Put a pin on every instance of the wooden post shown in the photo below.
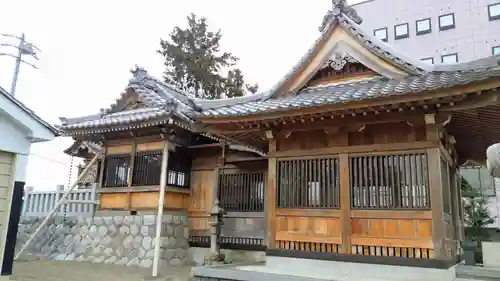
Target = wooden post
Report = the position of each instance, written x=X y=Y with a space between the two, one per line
x=161 y=201
x=345 y=204
x=59 y=203
x=103 y=166
x=435 y=188
x=130 y=175
x=271 y=196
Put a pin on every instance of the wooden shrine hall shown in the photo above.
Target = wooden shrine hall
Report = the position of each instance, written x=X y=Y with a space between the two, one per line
x=352 y=157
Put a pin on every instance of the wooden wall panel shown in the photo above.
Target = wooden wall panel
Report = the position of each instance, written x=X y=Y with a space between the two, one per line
x=202 y=183
x=302 y=226
x=371 y=134
x=150 y=146
x=119 y=149
x=392 y=232
x=113 y=201
x=141 y=200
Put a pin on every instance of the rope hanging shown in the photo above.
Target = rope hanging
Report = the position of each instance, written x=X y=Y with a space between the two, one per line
x=69 y=185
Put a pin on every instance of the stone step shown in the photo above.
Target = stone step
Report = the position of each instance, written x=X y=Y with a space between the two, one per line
x=478 y=272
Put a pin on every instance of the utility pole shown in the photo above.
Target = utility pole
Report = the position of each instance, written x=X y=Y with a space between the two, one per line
x=23 y=48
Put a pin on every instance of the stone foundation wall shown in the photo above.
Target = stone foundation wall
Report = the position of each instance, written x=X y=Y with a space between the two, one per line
x=125 y=240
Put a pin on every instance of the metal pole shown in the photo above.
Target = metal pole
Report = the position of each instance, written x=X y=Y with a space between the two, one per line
x=161 y=199
x=18 y=64
x=59 y=203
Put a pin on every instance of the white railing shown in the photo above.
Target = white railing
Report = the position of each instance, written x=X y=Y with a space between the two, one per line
x=80 y=202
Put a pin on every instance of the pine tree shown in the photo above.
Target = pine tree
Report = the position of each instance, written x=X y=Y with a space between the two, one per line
x=194 y=63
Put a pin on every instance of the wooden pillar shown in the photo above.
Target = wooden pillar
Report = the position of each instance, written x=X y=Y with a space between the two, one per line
x=345 y=204
x=161 y=201
x=103 y=164
x=455 y=208
x=130 y=175
x=435 y=188
x=270 y=198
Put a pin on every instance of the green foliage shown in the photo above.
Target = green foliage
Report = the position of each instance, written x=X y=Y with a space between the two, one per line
x=194 y=63
x=476 y=214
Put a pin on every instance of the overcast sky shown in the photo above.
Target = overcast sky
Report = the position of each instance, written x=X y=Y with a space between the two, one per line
x=88 y=48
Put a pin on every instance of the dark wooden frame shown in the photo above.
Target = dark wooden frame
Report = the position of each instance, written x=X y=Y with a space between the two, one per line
x=230 y=243
x=109 y=160
x=383 y=260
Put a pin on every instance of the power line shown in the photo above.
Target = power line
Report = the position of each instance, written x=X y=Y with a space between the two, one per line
x=48 y=159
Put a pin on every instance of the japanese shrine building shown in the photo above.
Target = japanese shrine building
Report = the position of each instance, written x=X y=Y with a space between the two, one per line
x=351 y=158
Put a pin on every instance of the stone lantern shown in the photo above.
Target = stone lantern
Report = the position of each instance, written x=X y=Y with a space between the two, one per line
x=216 y=215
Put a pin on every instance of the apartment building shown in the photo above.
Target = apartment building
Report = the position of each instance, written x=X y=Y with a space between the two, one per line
x=436 y=31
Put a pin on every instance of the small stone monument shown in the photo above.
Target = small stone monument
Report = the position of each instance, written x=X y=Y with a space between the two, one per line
x=215 y=223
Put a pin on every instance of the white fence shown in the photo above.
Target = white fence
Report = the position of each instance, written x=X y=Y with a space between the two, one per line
x=40 y=203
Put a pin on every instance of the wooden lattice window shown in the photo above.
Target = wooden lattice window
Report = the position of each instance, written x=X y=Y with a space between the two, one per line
x=147 y=168
x=389 y=182
x=117 y=170
x=445 y=186
x=179 y=169
x=242 y=192
x=308 y=183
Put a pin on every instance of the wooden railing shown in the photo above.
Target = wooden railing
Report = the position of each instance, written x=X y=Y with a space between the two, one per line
x=40 y=203
x=389 y=182
x=387 y=212
x=308 y=183
x=242 y=192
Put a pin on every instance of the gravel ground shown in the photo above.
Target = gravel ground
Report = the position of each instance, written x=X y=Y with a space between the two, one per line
x=50 y=270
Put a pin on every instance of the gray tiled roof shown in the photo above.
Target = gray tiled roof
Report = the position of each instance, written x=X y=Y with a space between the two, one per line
x=29 y=111
x=363 y=89
x=163 y=100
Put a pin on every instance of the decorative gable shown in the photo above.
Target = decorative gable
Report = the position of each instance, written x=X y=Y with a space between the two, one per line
x=135 y=104
x=340 y=67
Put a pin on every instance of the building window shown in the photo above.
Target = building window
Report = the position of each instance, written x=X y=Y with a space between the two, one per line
x=495 y=50
x=147 y=168
x=480 y=180
x=450 y=58
x=117 y=170
x=423 y=26
x=401 y=31
x=381 y=34
x=447 y=21
x=179 y=169
x=494 y=11
x=428 y=60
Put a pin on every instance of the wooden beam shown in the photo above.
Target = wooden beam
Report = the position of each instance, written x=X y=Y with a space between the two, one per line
x=360 y=149
x=131 y=173
x=270 y=205
x=472 y=102
x=103 y=164
x=345 y=206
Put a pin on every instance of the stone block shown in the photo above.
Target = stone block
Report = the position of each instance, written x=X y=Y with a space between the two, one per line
x=149 y=220
x=146 y=263
x=134 y=229
x=491 y=254
x=118 y=220
x=132 y=262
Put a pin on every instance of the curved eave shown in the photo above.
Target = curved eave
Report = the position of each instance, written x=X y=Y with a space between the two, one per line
x=315 y=108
